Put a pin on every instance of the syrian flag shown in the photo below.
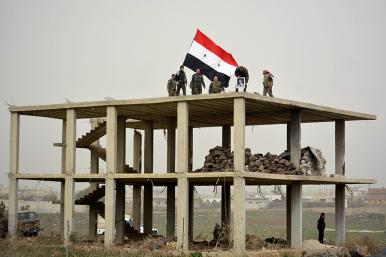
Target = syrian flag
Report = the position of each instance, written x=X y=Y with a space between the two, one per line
x=211 y=59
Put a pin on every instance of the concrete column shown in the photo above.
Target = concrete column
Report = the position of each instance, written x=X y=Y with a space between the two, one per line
x=63 y=169
x=120 y=186
x=340 y=197
x=171 y=195
x=182 y=168
x=239 y=215
x=191 y=212
x=94 y=169
x=340 y=218
x=295 y=137
x=112 y=167
x=226 y=189
x=191 y=188
x=148 y=188
x=69 y=186
x=296 y=215
x=295 y=201
x=239 y=134
x=13 y=170
x=288 y=189
x=288 y=212
x=238 y=180
x=137 y=190
x=340 y=147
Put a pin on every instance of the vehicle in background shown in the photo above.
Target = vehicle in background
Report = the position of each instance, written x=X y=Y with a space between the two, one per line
x=28 y=223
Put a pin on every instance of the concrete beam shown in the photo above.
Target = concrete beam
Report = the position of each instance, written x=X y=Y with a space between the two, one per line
x=340 y=147
x=296 y=215
x=171 y=195
x=148 y=189
x=295 y=138
x=340 y=218
x=239 y=134
x=226 y=189
x=239 y=215
x=137 y=190
x=13 y=170
x=182 y=182
x=120 y=187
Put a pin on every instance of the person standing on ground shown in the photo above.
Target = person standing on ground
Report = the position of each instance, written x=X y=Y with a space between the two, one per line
x=197 y=83
x=215 y=86
x=321 y=227
x=172 y=85
x=181 y=80
x=267 y=83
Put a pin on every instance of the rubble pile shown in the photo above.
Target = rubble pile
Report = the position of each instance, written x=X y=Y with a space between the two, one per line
x=220 y=159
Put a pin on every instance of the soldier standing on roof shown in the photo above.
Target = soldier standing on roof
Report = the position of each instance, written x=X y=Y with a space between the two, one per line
x=181 y=80
x=267 y=83
x=215 y=86
x=241 y=71
x=197 y=83
x=172 y=86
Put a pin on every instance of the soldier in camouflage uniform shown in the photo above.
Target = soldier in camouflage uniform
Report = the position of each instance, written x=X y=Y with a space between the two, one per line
x=215 y=86
x=181 y=80
x=197 y=83
x=172 y=86
x=267 y=83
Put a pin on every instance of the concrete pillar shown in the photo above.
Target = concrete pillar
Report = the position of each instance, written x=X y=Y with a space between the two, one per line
x=288 y=189
x=340 y=222
x=191 y=212
x=295 y=137
x=295 y=201
x=226 y=189
x=13 y=170
x=296 y=216
x=340 y=147
x=191 y=188
x=239 y=134
x=63 y=169
x=148 y=188
x=182 y=168
x=340 y=218
x=69 y=186
x=120 y=186
x=112 y=167
x=288 y=212
x=137 y=190
x=94 y=169
x=238 y=180
x=171 y=195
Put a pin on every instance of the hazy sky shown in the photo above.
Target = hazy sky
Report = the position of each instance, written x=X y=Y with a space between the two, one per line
x=325 y=52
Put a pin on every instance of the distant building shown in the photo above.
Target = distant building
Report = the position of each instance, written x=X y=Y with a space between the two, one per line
x=377 y=197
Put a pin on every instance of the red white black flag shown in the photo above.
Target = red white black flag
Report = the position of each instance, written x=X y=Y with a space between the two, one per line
x=211 y=59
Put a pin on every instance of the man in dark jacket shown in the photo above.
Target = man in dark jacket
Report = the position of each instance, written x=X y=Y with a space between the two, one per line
x=321 y=227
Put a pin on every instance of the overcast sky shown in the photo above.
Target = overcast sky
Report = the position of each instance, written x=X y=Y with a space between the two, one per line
x=325 y=52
